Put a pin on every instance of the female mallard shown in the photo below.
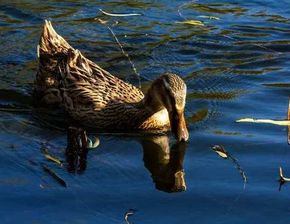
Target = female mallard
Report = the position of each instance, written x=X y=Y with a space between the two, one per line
x=94 y=98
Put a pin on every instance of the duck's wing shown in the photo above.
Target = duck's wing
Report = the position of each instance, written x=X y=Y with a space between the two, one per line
x=89 y=87
x=63 y=70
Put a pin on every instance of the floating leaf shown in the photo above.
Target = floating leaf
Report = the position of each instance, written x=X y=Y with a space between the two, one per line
x=265 y=121
x=192 y=22
x=220 y=151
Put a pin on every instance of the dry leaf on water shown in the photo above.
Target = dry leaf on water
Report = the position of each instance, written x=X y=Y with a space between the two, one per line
x=192 y=22
x=220 y=151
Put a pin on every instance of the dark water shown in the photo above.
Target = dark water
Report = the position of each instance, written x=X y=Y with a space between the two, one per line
x=235 y=66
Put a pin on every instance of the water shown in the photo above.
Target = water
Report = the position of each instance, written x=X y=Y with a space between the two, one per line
x=235 y=66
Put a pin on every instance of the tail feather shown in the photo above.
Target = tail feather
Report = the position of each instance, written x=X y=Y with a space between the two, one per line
x=50 y=42
x=52 y=50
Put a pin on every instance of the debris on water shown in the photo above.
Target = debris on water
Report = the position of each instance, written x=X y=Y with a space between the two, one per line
x=209 y=17
x=220 y=150
x=101 y=21
x=48 y=156
x=130 y=212
x=265 y=121
x=282 y=178
x=54 y=175
x=93 y=144
x=192 y=22
x=53 y=159
x=120 y=14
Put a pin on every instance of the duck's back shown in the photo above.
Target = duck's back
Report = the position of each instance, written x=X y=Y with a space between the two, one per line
x=86 y=91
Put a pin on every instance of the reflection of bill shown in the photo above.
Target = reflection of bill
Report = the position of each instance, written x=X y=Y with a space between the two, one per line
x=165 y=164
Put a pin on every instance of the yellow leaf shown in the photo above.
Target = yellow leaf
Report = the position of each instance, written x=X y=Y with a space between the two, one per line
x=192 y=22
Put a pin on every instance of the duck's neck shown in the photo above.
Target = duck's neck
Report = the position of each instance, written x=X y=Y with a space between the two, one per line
x=155 y=115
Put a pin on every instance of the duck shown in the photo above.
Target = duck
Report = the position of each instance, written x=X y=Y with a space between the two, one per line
x=94 y=98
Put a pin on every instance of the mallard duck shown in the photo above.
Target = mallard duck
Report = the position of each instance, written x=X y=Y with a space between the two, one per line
x=96 y=99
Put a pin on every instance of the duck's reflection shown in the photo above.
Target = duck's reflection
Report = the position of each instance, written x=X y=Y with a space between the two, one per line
x=165 y=163
x=76 y=150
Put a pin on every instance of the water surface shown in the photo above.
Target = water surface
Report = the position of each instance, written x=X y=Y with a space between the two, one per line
x=236 y=65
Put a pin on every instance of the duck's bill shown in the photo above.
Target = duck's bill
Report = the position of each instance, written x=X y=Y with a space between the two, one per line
x=178 y=125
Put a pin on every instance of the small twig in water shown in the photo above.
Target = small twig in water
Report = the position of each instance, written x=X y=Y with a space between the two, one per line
x=54 y=175
x=53 y=159
x=120 y=14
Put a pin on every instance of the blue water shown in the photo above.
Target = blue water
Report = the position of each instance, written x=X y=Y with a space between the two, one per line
x=235 y=66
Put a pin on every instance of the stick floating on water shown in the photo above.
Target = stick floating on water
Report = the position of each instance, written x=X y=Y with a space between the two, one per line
x=282 y=178
x=120 y=14
x=265 y=121
x=54 y=175
x=53 y=159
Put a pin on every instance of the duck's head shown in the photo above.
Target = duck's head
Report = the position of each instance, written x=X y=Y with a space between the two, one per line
x=169 y=91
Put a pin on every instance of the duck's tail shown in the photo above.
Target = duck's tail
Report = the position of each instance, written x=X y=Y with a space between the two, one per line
x=52 y=52
x=50 y=43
